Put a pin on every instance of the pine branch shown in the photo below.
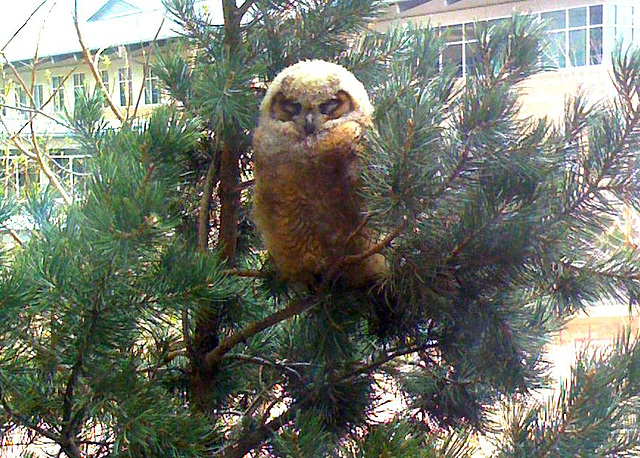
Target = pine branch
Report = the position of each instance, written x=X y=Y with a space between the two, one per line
x=246 y=273
x=68 y=426
x=371 y=367
x=265 y=362
x=377 y=248
x=214 y=357
x=20 y=420
x=251 y=439
x=594 y=183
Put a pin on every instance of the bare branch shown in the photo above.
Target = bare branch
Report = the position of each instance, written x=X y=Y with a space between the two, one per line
x=251 y=439
x=34 y=112
x=47 y=170
x=23 y=25
x=37 y=154
x=145 y=68
x=242 y=9
x=368 y=368
x=92 y=66
x=14 y=235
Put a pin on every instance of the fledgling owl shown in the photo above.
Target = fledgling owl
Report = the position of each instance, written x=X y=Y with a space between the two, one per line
x=305 y=158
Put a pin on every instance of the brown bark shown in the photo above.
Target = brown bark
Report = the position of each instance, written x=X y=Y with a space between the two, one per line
x=208 y=321
x=229 y=198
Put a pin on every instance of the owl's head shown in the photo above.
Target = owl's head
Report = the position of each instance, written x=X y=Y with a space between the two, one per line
x=314 y=96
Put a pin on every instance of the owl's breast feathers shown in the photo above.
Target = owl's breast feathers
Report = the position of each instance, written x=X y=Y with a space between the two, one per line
x=306 y=204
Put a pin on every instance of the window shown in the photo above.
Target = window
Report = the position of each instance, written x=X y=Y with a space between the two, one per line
x=575 y=36
x=454 y=52
x=78 y=84
x=151 y=89
x=57 y=88
x=104 y=77
x=38 y=97
x=126 y=89
x=461 y=45
x=21 y=102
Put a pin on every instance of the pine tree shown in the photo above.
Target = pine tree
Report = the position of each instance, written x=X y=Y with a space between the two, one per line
x=146 y=319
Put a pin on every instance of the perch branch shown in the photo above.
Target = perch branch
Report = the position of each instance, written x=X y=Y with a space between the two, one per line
x=214 y=357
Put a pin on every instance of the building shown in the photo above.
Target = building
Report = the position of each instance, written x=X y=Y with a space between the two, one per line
x=581 y=39
x=44 y=70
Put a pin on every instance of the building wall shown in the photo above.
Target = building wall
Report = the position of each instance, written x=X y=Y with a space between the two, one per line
x=545 y=95
x=54 y=83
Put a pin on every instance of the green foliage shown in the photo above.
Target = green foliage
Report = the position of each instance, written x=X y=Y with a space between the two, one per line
x=401 y=439
x=124 y=335
x=40 y=206
x=87 y=119
x=594 y=413
x=89 y=298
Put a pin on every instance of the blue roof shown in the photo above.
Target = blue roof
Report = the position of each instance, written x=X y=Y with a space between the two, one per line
x=113 y=9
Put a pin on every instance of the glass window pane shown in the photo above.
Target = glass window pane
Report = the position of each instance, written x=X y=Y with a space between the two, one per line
x=472 y=58
x=57 y=88
x=452 y=57
x=609 y=14
x=595 y=46
x=595 y=15
x=578 y=17
x=555 y=19
x=578 y=47
x=624 y=16
x=495 y=22
x=624 y=35
x=38 y=95
x=608 y=42
x=555 y=53
x=470 y=31
x=453 y=33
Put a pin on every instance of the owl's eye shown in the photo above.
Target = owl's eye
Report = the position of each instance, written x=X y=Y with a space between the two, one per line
x=291 y=108
x=284 y=109
x=337 y=107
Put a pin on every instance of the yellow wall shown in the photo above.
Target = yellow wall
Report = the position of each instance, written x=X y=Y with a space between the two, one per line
x=47 y=68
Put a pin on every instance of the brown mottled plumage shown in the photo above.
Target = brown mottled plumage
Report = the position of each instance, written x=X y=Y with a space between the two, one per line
x=305 y=152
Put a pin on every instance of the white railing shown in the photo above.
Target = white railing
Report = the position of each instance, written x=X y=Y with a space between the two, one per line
x=18 y=172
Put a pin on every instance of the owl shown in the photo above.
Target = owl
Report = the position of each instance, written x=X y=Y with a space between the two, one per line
x=306 y=150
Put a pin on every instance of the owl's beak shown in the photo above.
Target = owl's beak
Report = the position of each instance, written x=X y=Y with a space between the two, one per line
x=309 y=125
